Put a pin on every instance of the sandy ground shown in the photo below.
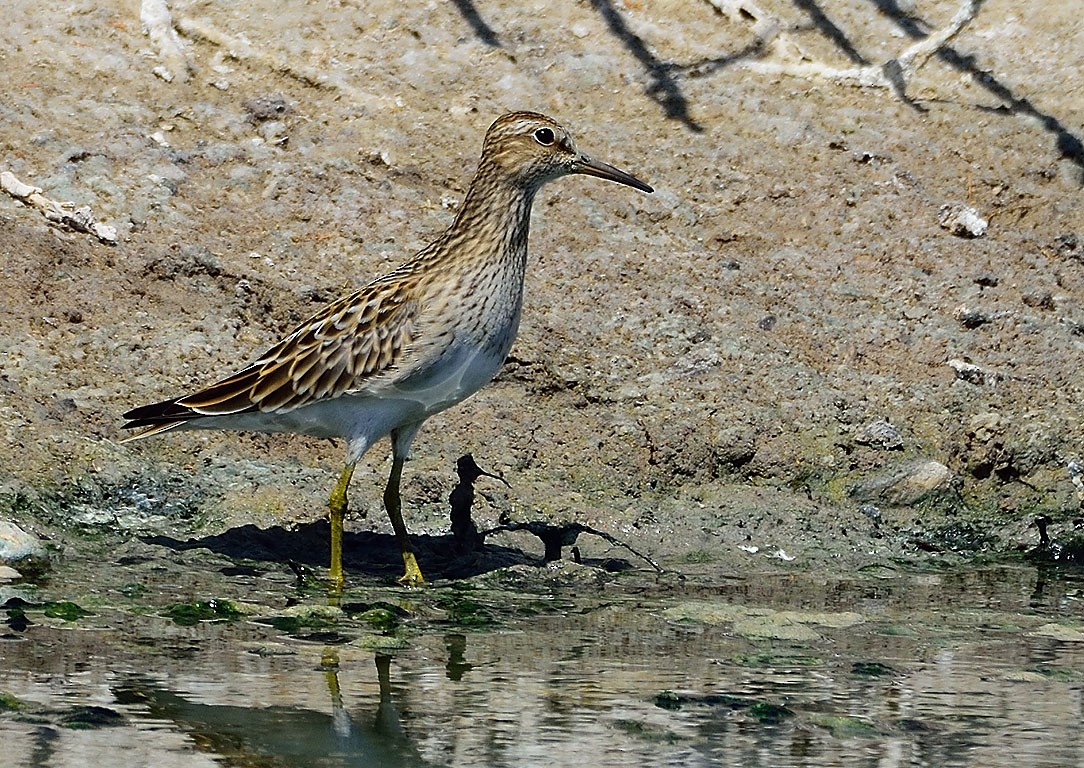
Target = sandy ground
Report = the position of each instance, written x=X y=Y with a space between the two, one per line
x=785 y=352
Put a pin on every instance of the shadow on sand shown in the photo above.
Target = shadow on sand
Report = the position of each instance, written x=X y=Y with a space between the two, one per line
x=365 y=552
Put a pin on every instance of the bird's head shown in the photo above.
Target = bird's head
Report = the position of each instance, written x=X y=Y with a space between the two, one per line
x=533 y=149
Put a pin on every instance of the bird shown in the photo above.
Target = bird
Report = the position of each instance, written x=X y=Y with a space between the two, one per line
x=381 y=360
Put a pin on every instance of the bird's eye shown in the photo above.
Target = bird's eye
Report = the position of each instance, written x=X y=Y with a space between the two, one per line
x=544 y=136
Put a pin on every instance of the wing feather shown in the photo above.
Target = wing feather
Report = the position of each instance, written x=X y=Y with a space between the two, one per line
x=332 y=353
x=342 y=348
x=221 y=396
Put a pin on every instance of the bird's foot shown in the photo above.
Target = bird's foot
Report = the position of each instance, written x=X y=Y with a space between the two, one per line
x=412 y=577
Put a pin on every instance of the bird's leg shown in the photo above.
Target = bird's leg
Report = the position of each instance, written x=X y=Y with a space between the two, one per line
x=336 y=513
x=412 y=577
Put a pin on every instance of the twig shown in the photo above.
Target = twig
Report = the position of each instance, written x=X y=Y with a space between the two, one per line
x=789 y=59
x=80 y=219
x=555 y=536
x=918 y=54
x=157 y=23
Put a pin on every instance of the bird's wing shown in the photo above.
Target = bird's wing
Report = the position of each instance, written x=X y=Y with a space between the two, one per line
x=342 y=348
x=348 y=343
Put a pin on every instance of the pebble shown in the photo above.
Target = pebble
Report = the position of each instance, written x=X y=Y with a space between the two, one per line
x=970 y=317
x=973 y=374
x=962 y=220
x=880 y=434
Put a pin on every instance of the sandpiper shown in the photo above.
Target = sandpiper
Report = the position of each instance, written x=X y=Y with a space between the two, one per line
x=420 y=339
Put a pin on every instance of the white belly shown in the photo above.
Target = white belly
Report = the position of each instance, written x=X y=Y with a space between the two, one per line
x=454 y=376
x=365 y=416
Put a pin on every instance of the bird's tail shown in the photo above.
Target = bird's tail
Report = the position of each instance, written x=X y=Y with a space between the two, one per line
x=156 y=418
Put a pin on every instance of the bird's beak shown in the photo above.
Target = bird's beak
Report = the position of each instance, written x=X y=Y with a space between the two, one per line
x=602 y=170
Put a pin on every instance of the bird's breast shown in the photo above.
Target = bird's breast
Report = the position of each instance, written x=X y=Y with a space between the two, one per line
x=455 y=374
x=469 y=320
x=481 y=307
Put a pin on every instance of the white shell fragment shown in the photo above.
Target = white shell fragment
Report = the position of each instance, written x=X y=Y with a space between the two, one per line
x=962 y=220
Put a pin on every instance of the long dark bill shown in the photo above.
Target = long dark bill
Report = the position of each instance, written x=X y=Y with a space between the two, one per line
x=590 y=167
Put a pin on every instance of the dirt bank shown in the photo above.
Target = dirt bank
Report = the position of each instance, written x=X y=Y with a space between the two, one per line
x=788 y=351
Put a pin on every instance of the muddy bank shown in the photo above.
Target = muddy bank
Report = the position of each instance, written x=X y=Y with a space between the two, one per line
x=789 y=351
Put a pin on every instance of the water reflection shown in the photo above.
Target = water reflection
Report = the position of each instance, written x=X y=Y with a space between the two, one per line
x=953 y=670
x=282 y=735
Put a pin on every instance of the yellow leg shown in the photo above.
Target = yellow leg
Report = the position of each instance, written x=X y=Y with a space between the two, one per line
x=329 y=662
x=336 y=513
x=412 y=576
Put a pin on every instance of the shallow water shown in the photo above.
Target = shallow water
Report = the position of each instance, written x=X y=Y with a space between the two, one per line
x=967 y=668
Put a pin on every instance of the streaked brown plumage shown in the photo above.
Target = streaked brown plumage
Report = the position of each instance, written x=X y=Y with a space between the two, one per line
x=414 y=342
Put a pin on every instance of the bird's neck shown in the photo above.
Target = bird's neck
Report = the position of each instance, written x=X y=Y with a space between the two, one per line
x=494 y=221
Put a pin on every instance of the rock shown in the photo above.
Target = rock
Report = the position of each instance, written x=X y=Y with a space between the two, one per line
x=21 y=550
x=1040 y=300
x=974 y=374
x=985 y=426
x=268 y=106
x=1069 y=245
x=970 y=317
x=962 y=220
x=796 y=626
x=563 y=574
x=1076 y=475
x=880 y=434
x=907 y=484
x=871 y=511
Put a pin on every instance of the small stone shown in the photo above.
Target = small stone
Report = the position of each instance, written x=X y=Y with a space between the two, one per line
x=880 y=434
x=962 y=220
x=1069 y=245
x=266 y=107
x=581 y=29
x=985 y=426
x=970 y=317
x=973 y=374
x=273 y=132
x=734 y=446
x=871 y=157
x=1039 y=300
x=378 y=157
